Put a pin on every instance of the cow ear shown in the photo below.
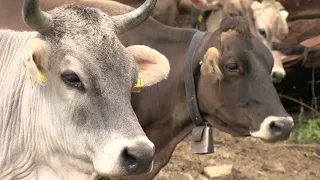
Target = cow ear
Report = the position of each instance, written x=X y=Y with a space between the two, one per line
x=210 y=64
x=153 y=66
x=284 y=14
x=36 y=61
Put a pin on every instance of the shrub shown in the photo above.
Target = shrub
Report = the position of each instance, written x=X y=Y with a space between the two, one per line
x=306 y=131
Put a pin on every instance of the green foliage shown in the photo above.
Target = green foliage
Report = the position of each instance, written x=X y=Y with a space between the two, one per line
x=306 y=131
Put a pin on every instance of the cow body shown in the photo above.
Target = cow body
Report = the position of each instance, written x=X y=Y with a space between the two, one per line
x=62 y=116
x=12 y=82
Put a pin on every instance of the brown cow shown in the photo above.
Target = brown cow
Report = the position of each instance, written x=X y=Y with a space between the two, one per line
x=272 y=27
x=267 y=21
x=235 y=93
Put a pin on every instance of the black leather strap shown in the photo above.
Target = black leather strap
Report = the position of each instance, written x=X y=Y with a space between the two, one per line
x=189 y=81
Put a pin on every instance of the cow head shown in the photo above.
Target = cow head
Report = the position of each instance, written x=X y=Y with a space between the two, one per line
x=235 y=92
x=80 y=103
x=270 y=21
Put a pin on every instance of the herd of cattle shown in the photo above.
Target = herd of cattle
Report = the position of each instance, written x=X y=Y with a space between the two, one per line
x=67 y=110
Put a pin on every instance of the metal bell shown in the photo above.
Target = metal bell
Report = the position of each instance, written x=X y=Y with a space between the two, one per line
x=202 y=140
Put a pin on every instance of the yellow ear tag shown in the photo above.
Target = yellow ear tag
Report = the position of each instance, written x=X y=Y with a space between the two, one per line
x=137 y=88
x=43 y=77
x=200 y=18
x=41 y=74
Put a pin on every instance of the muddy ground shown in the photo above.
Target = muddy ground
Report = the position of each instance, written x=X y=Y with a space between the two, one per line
x=251 y=159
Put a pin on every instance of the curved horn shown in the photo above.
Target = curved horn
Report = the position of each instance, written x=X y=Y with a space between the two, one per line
x=134 y=18
x=34 y=17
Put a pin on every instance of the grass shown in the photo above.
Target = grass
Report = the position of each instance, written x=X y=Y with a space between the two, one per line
x=306 y=131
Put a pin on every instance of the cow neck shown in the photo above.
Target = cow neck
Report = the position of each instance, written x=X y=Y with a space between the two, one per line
x=202 y=133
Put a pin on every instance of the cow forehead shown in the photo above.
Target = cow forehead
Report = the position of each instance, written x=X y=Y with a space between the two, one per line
x=270 y=15
x=101 y=65
x=80 y=21
x=231 y=36
x=270 y=11
x=247 y=50
x=87 y=33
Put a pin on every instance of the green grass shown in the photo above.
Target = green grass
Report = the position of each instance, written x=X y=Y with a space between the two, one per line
x=306 y=131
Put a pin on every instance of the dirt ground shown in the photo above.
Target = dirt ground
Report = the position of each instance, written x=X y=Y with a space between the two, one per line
x=252 y=160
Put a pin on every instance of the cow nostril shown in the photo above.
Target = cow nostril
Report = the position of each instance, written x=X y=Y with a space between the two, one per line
x=274 y=75
x=277 y=77
x=130 y=161
x=138 y=156
x=278 y=74
x=276 y=128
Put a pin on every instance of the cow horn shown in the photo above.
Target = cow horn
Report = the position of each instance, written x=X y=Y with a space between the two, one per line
x=134 y=18
x=34 y=17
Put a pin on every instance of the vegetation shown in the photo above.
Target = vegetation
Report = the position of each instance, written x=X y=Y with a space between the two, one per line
x=306 y=131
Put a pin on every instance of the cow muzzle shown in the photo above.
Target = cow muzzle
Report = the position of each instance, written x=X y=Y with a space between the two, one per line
x=138 y=157
x=277 y=75
x=125 y=157
x=274 y=129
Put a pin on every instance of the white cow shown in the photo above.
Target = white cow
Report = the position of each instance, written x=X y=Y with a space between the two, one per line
x=65 y=109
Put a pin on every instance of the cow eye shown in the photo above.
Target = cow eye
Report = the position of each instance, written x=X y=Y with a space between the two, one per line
x=263 y=33
x=71 y=78
x=233 y=67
